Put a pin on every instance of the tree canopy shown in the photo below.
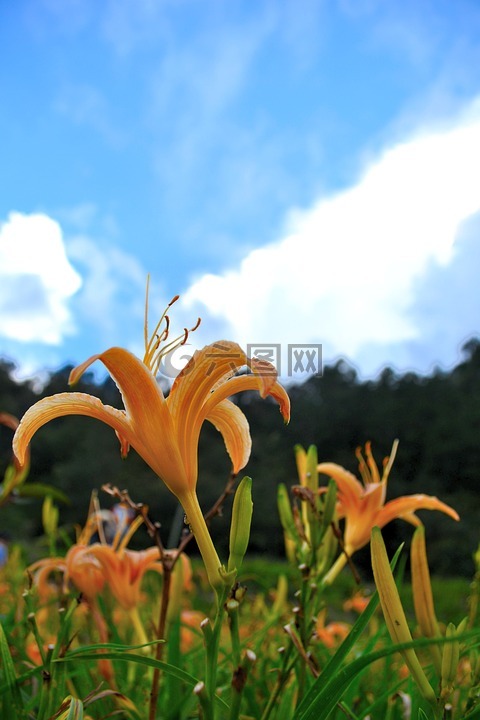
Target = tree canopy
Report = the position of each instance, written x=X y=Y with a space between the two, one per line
x=435 y=417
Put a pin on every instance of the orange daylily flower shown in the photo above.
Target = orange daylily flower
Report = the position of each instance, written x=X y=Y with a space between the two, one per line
x=90 y=566
x=331 y=634
x=358 y=602
x=124 y=569
x=165 y=431
x=363 y=504
x=80 y=566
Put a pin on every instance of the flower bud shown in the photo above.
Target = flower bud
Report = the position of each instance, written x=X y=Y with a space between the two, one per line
x=450 y=659
x=241 y=520
x=422 y=593
x=49 y=516
x=286 y=515
x=394 y=614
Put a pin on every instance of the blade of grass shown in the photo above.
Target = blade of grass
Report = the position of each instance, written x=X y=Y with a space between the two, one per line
x=361 y=623
x=12 y=694
x=142 y=660
x=323 y=697
x=76 y=710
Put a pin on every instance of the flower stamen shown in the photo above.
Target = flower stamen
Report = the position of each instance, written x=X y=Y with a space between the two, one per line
x=155 y=349
x=120 y=542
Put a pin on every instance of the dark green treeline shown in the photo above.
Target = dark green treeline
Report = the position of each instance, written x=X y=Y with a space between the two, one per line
x=436 y=419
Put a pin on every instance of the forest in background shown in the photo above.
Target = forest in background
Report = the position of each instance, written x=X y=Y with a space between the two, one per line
x=436 y=419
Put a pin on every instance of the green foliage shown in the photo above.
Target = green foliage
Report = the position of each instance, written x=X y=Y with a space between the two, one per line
x=436 y=418
x=277 y=644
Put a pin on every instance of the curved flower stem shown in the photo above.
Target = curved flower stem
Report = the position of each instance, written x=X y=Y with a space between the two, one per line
x=199 y=528
x=335 y=570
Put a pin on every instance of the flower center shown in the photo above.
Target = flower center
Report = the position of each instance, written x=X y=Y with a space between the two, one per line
x=368 y=467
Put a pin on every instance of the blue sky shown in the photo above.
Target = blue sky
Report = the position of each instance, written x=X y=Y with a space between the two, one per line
x=299 y=171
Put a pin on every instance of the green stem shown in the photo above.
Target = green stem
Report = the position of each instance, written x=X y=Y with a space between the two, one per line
x=199 y=528
x=212 y=644
x=138 y=627
x=283 y=676
x=335 y=570
x=160 y=633
x=46 y=688
x=232 y=610
x=237 y=687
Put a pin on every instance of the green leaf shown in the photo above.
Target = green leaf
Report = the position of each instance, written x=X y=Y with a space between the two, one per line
x=142 y=660
x=358 y=628
x=474 y=714
x=76 y=710
x=113 y=647
x=333 y=666
x=322 y=698
x=13 y=697
x=40 y=490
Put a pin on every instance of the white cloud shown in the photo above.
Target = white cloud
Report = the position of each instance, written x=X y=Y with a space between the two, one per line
x=111 y=303
x=36 y=280
x=347 y=270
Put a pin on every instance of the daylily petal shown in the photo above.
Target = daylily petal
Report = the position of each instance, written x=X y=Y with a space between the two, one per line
x=205 y=369
x=360 y=523
x=233 y=426
x=405 y=507
x=149 y=418
x=189 y=392
x=62 y=404
x=350 y=488
x=124 y=570
x=242 y=383
x=84 y=571
x=41 y=571
x=141 y=394
x=190 y=408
